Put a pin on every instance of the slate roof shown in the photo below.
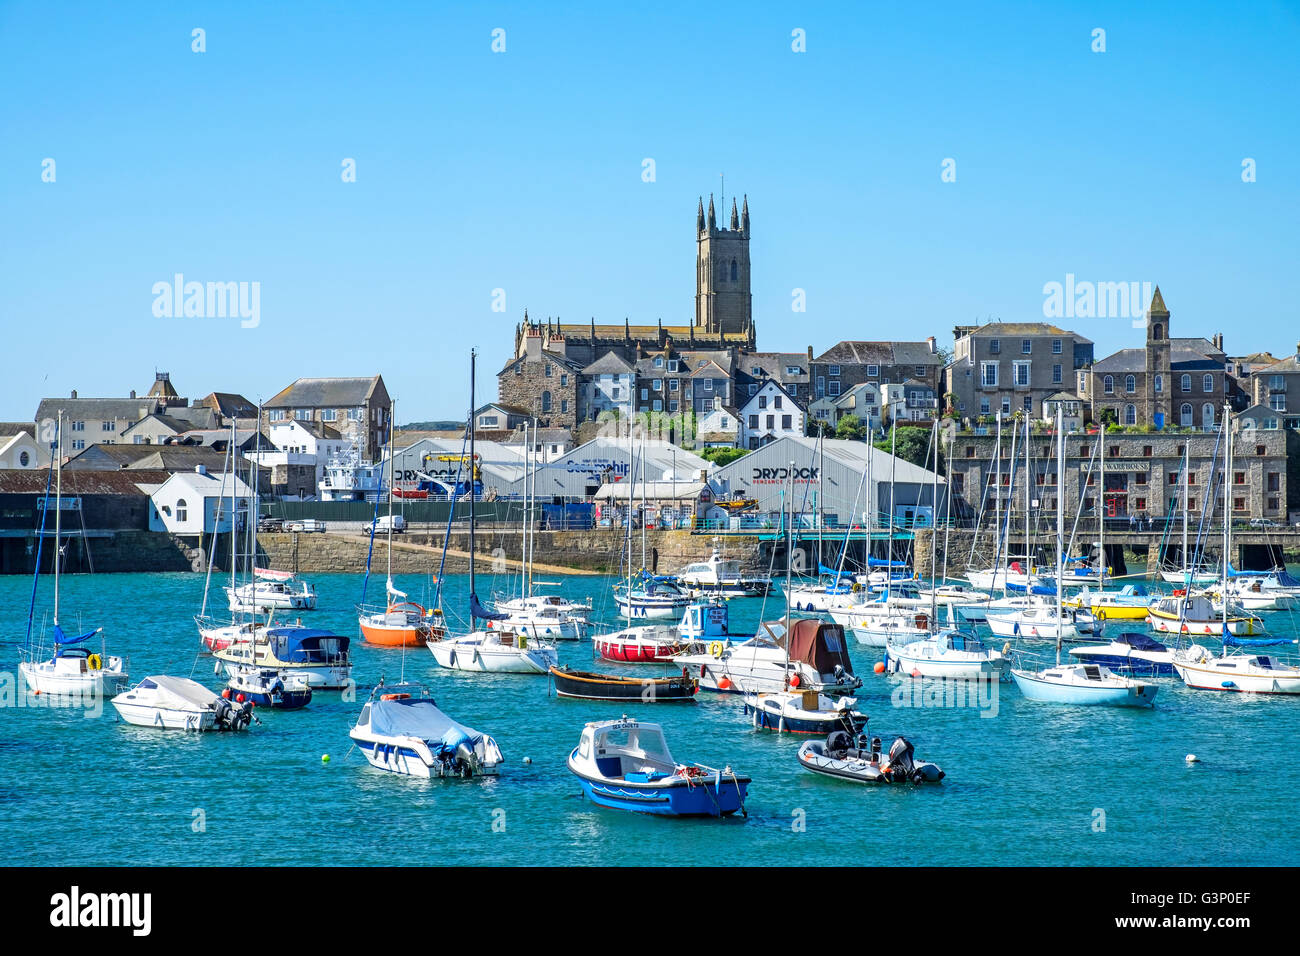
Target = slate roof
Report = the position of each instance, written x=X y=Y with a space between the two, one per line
x=32 y=481
x=326 y=393
x=608 y=364
x=168 y=458
x=91 y=409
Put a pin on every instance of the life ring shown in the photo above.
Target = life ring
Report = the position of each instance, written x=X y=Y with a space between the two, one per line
x=1101 y=614
x=94 y=662
x=715 y=649
x=394 y=696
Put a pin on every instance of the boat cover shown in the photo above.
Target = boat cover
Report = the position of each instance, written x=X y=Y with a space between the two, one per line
x=1140 y=642
x=482 y=613
x=306 y=645
x=61 y=639
x=420 y=719
x=178 y=691
x=1231 y=640
x=874 y=562
x=819 y=644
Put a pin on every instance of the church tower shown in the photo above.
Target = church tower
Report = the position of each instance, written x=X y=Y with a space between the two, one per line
x=1159 y=376
x=722 y=300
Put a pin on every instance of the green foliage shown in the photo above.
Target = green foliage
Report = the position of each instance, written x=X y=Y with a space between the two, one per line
x=910 y=443
x=850 y=428
x=722 y=456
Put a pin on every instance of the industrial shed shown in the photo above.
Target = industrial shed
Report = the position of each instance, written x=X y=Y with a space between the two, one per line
x=827 y=475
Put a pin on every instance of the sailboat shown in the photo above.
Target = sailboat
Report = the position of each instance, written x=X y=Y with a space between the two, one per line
x=74 y=669
x=400 y=622
x=215 y=635
x=1251 y=673
x=1076 y=683
x=493 y=648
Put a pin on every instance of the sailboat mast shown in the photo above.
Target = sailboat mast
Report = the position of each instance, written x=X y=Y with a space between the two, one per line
x=789 y=565
x=1029 y=557
x=934 y=528
x=392 y=481
x=889 y=553
x=1187 y=569
x=58 y=515
x=473 y=485
x=1227 y=518
x=234 y=533
x=997 y=499
x=528 y=450
x=1101 y=512
x=1060 y=525
x=631 y=479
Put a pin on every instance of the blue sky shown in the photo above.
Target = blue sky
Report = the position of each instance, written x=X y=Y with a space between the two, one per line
x=522 y=171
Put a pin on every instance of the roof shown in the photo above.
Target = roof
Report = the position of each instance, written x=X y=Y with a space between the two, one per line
x=328 y=393
x=177 y=425
x=651 y=490
x=608 y=364
x=228 y=405
x=1063 y=397
x=166 y=458
x=13 y=428
x=32 y=481
x=879 y=353
x=209 y=485
x=162 y=387
x=105 y=409
x=508 y=409
x=852 y=454
x=541 y=435
x=1027 y=328
x=1289 y=364
x=1157 y=303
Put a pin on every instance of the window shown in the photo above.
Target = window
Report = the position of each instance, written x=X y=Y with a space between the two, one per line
x=753 y=389
x=672 y=365
x=1140 y=504
x=659 y=405
x=78 y=426
x=1207 y=415
x=1130 y=383
x=918 y=371
x=659 y=361
x=835 y=389
x=1185 y=415
x=108 y=426
x=771 y=422
x=833 y=371
x=1207 y=383
x=182 y=510
x=1021 y=373
x=1056 y=375
x=1146 y=451
x=564 y=379
x=302 y=414
x=1026 y=346
x=762 y=401
x=1130 y=414
x=776 y=401
x=658 y=385
x=275 y=415
x=564 y=404
x=615 y=393
x=1277 y=401
x=708 y=384
x=753 y=421
x=995 y=346
x=873 y=371
x=488 y=421
x=1140 y=478
x=1108 y=385
x=1028 y=403
x=354 y=414
x=674 y=384
x=1159 y=384
x=672 y=407
x=1274 y=482
x=989 y=374
x=984 y=406
x=645 y=394
x=329 y=415
x=1006 y=405
x=1186 y=382
x=1173 y=477
x=786 y=422
x=546 y=400
x=549 y=370
x=1276 y=383
x=1056 y=346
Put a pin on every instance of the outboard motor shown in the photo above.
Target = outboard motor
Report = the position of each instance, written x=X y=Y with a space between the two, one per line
x=223 y=708
x=901 y=765
x=242 y=716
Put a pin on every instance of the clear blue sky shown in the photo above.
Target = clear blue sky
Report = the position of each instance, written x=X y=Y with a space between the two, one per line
x=522 y=171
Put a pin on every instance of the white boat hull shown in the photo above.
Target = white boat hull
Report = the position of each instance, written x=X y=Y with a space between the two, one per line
x=493 y=658
x=147 y=715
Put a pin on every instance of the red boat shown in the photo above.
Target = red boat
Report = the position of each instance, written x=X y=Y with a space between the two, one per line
x=648 y=644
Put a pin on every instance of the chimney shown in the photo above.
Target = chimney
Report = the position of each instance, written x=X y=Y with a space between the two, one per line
x=133 y=393
x=74 y=393
x=933 y=345
x=1218 y=341
x=810 y=353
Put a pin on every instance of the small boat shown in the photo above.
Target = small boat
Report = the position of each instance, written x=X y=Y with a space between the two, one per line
x=838 y=757
x=830 y=592
x=625 y=765
x=268 y=688
x=1196 y=576
x=321 y=656
x=1195 y=614
x=495 y=650
x=542 y=620
x=400 y=623
x=75 y=671
x=178 y=703
x=272 y=591
x=571 y=610
x=1083 y=684
x=584 y=685
x=881 y=621
x=220 y=637
x=817 y=659
x=640 y=644
x=650 y=597
x=948 y=655
x=1242 y=673
x=1046 y=621
x=1129 y=654
x=722 y=577
x=1014 y=576
x=1129 y=603
x=406 y=733
x=806 y=712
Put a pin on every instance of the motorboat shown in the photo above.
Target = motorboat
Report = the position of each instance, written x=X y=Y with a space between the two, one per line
x=1129 y=603
x=722 y=577
x=407 y=733
x=220 y=637
x=803 y=712
x=1130 y=655
x=1003 y=578
x=1200 y=576
x=877 y=623
x=575 y=611
x=272 y=590
x=1046 y=621
x=841 y=757
x=268 y=688
x=640 y=644
x=495 y=650
x=178 y=703
x=625 y=765
x=1249 y=594
x=948 y=654
x=585 y=685
x=75 y=670
x=1083 y=684
x=543 y=620
x=320 y=656
x=830 y=592
x=814 y=657
x=649 y=597
x=1180 y=613
x=1241 y=673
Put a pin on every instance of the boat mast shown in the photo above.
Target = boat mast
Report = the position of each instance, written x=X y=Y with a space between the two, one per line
x=1060 y=524
x=1101 y=513
x=631 y=479
x=789 y=564
x=643 y=561
x=1227 y=519
x=889 y=553
x=997 y=500
x=1029 y=558
x=58 y=515
x=473 y=488
x=934 y=513
x=234 y=534
x=392 y=480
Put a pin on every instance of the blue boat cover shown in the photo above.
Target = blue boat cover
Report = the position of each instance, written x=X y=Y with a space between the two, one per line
x=873 y=562
x=306 y=645
x=1036 y=589
x=421 y=719
x=1231 y=640
x=61 y=638
x=482 y=613
x=1140 y=642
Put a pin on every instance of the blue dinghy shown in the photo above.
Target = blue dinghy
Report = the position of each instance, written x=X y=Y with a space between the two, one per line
x=625 y=765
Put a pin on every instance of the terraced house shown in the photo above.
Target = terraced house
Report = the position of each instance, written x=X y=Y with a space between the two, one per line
x=1012 y=366
x=851 y=363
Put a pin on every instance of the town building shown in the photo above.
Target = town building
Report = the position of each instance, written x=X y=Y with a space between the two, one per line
x=358 y=408
x=198 y=503
x=19 y=447
x=1277 y=387
x=850 y=363
x=769 y=414
x=1012 y=366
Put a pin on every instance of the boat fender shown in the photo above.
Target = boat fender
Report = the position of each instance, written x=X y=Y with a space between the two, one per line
x=794 y=680
x=95 y=662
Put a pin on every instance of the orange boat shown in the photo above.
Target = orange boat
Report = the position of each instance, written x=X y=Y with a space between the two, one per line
x=400 y=625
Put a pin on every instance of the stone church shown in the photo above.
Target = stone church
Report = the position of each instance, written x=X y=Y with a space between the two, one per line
x=563 y=374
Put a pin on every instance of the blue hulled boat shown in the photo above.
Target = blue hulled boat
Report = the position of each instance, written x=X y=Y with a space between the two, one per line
x=1131 y=654
x=625 y=765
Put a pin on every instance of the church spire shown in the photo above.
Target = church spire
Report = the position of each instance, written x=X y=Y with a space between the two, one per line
x=1158 y=303
x=713 y=218
x=735 y=216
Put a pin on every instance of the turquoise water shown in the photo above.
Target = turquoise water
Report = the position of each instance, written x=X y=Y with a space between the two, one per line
x=1027 y=786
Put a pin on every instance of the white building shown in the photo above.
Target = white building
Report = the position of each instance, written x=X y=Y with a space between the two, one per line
x=610 y=386
x=197 y=502
x=719 y=427
x=18 y=449
x=769 y=414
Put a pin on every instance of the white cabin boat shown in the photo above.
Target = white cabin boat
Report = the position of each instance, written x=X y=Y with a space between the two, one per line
x=1242 y=673
x=722 y=577
x=178 y=703
x=949 y=655
x=408 y=734
x=499 y=649
x=272 y=591
x=817 y=659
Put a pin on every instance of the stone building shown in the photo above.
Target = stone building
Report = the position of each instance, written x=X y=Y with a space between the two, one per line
x=848 y=363
x=1143 y=474
x=1272 y=385
x=357 y=407
x=1012 y=366
x=1169 y=381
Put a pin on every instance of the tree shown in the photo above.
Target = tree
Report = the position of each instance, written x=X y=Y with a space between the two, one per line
x=912 y=444
x=850 y=428
x=722 y=456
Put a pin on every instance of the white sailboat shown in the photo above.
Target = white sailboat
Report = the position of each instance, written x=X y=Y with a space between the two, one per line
x=1089 y=684
x=73 y=670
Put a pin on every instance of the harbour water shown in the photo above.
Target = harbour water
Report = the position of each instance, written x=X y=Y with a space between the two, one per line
x=1027 y=783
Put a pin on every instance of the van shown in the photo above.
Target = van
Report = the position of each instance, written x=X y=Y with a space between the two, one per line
x=384 y=522
x=306 y=526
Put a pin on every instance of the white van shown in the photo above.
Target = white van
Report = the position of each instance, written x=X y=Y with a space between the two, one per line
x=384 y=522
x=306 y=526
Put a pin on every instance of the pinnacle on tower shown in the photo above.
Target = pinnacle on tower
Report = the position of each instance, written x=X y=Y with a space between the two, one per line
x=735 y=217
x=744 y=215
x=699 y=217
x=1158 y=304
x=713 y=219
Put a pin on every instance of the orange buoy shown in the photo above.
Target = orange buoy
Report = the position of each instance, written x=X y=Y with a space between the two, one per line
x=794 y=681
x=239 y=698
x=880 y=667
x=724 y=684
